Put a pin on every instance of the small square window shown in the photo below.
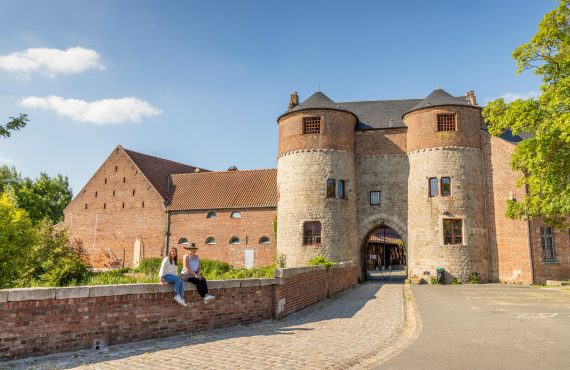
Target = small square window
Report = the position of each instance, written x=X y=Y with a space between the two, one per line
x=433 y=187
x=375 y=198
x=311 y=125
x=445 y=186
x=446 y=122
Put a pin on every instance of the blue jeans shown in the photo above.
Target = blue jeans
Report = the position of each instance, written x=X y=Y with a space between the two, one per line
x=178 y=284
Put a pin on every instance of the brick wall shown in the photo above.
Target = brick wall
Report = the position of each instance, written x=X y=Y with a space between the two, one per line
x=115 y=217
x=509 y=259
x=381 y=142
x=422 y=128
x=45 y=320
x=253 y=224
x=337 y=131
x=546 y=270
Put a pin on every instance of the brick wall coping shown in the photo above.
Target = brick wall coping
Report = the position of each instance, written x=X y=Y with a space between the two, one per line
x=323 y=150
x=36 y=294
x=292 y=271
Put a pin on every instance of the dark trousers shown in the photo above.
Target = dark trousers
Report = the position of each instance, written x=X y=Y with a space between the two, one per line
x=200 y=283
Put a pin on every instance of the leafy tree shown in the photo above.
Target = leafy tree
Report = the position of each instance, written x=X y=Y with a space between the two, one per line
x=41 y=197
x=17 y=236
x=15 y=124
x=543 y=159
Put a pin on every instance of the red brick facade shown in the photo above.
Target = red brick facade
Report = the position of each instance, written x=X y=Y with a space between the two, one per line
x=253 y=225
x=557 y=269
x=115 y=208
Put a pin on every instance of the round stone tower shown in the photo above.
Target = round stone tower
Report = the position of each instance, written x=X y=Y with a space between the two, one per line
x=446 y=201
x=316 y=181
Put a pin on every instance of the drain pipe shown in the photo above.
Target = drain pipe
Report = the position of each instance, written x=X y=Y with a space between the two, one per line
x=166 y=204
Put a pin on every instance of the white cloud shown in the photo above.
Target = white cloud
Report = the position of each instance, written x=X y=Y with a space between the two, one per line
x=5 y=160
x=101 y=112
x=51 y=61
x=510 y=97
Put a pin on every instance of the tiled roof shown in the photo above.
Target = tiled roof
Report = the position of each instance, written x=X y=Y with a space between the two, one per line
x=380 y=113
x=223 y=190
x=157 y=170
x=440 y=97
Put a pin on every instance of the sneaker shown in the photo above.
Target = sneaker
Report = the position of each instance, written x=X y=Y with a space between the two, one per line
x=180 y=301
x=209 y=298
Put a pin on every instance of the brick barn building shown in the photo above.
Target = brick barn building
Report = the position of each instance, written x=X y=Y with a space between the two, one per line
x=414 y=184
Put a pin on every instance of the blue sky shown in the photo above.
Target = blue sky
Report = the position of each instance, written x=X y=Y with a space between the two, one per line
x=209 y=78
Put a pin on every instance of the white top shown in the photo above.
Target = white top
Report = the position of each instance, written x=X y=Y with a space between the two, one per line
x=167 y=268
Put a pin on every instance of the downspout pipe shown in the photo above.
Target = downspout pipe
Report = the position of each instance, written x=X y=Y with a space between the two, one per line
x=166 y=204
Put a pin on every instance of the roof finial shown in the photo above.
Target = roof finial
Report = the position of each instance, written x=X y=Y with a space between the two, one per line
x=319 y=86
x=437 y=85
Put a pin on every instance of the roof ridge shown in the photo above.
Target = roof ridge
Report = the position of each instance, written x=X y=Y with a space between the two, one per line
x=374 y=101
x=225 y=171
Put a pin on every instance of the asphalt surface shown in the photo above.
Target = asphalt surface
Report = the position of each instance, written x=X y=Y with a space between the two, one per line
x=487 y=327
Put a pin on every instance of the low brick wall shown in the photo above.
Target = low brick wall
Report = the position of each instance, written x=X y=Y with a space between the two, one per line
x=38 y=321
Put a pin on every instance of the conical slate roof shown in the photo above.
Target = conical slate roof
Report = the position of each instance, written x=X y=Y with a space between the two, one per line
x=316 y=101
x=440 y=97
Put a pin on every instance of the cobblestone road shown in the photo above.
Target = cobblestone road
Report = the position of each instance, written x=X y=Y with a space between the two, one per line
x=341 y=332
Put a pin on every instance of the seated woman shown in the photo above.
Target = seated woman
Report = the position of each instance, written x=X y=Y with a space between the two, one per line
x=168 y=274
x=191 y=272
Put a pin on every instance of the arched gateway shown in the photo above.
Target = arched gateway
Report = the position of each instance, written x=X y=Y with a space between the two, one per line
x=383 y=249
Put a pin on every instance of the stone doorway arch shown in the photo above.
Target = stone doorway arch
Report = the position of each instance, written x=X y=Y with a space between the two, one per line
x=366 y=229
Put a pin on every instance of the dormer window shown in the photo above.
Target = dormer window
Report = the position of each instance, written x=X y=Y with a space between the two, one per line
x=311 y=125
x=446 y=122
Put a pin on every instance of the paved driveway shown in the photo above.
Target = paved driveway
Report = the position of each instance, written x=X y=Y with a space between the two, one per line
x=348 y=330
x=489 y=327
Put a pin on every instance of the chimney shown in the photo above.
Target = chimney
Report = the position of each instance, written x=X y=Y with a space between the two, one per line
x=471 y=98
x=294 y=100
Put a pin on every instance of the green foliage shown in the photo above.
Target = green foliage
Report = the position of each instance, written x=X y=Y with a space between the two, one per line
x=17 y=235
x=42 y=197
x=455 y=281
x=433 y=280
x=15 y=124
x=544 y=159
x=474 y=278
x=263 y=272
x=149 y=265
x=320 y=260
x=35 y=256
x=213 y=269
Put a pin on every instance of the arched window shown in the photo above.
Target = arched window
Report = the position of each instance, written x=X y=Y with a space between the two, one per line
x=264 y=240
x=235 y=214
x=183 y=241
x=234 y=240
x=211 y=215
x=211 y=240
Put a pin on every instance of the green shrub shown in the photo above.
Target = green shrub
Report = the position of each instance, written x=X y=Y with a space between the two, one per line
x=263 y=272
x=214 y=269
x=320 y=260
x=474 y=279
x=455 y=281
x=149 y=265
x=70 y=271
x=433 y=280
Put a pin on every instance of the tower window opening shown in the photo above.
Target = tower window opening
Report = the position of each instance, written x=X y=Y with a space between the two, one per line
x=547 y=244
x=311 y=125
x=445 y=186
x=104 y=205
x=375 y=198
x=124 y=179
x=95 y=194
x=133 y=192
x=113 y=192
x=341 y=189
x=312 y=233
x=452 y=232
x=330 y=188
x=433 y=190
x=446 y=122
